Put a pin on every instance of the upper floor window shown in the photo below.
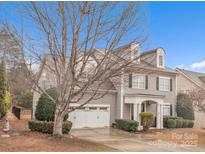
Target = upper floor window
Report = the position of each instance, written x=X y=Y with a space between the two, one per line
x=161 y=61
x=137 y=81
x=164 y=84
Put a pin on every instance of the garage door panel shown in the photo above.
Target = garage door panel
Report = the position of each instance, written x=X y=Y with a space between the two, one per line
x=104 y=118
x=93 y=117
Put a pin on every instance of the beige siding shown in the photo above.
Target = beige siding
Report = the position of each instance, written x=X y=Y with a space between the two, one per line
x=169 y=96
x=185 y=84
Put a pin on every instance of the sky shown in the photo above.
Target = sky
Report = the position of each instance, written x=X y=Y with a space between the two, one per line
x=178 y=27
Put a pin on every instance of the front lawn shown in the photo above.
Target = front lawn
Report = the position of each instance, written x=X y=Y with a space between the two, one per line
x=192 y=136
x=33 y=141
x=22 y=139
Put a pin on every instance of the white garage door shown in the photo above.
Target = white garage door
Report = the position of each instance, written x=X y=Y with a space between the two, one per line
x=92 y=116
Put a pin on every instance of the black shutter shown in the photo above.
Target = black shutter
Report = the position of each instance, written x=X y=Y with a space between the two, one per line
x=170 y=84
x=157 y=83
x=146 y=82
x=130 y=80
x=171 y=110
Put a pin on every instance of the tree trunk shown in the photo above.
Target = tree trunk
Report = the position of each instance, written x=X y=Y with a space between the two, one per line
x=58 y=124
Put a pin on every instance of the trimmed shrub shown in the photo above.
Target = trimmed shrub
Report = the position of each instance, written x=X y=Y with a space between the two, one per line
x=45 y=109
x=165 y=118
x=47 y=127
x=171 y=123
x=146 y=119
x=184 y=107
x=179 y=123
x=185 y=123
x=127 y=125
x=190 y=123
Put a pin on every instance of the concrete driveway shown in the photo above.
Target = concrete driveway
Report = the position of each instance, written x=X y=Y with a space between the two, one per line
x=124 y=141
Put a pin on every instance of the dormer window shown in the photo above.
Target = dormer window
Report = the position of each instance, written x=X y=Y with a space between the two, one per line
x=160 y=60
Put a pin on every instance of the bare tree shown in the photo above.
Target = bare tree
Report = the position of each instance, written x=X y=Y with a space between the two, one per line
x=69 y=34
x=12 y=53
x=198 y=99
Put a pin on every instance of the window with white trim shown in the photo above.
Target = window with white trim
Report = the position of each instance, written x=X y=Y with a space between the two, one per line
x=138 y=81
x=161 y=60
x=166 y=110
x=164 y=84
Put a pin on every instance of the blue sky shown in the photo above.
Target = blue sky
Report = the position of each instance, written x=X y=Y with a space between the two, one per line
x=178 y=27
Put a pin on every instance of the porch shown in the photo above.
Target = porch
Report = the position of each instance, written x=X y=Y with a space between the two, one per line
x=154 y=104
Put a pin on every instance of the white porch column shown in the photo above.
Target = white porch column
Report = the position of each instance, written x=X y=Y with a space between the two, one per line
x=145 y=107
x=139 y=111
x=122 y=96
x=158 y=116
x=162 y=113
x=135 y=112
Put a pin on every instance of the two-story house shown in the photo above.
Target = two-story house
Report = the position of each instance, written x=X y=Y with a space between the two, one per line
x=150 y=86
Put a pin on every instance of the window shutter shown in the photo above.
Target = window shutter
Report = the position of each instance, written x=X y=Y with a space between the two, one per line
x=171 y=110
x=170 y=84
x=146 y=82
x=130 y=80
x=157 y=83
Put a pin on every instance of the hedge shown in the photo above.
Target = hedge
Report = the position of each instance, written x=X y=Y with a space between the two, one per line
x=190 y=123
x=165 y=118
x=185 y=123
x=146 y=119
x=171 y=123
x=47 y=127
x=179 y=123
x=127 y=125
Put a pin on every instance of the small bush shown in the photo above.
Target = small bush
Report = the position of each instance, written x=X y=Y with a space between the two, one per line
x=127 y=125
x=179 y=123
x=146 y=119
x=185 y=123
x=165 y=118
x=45 y=109
x=190 y=123
x=47 y=127
x=171 y=123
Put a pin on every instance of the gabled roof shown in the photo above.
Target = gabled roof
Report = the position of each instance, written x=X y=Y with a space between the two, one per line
x=148 y=52
x=195 y=77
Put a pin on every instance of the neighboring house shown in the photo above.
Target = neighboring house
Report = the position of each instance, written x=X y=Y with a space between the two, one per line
x=152 y=89
x=188 y=81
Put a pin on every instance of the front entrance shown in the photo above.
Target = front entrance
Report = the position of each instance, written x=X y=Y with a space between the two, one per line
x=154 y=104
x=150 y=106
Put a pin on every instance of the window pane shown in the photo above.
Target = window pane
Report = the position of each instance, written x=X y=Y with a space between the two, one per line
x=160 y=61
x=138 y=81
x=166 y=110
x=164 y=84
